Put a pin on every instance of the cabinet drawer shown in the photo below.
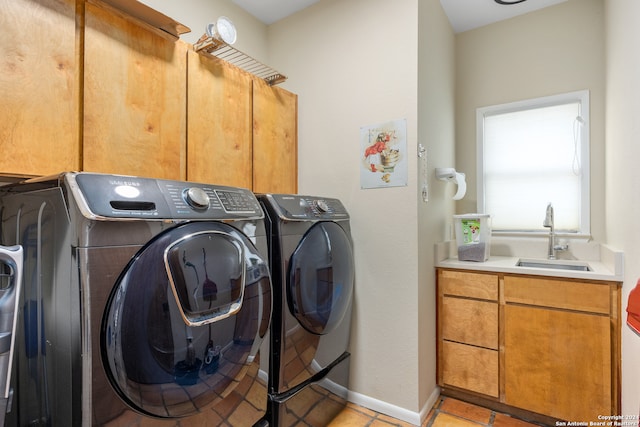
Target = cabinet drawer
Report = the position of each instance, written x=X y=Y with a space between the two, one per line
x=473 y=285
x=470 y=321
x=470 y=368
x=555 y=293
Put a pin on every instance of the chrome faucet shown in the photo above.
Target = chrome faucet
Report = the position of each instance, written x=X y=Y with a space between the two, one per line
x=548 y=222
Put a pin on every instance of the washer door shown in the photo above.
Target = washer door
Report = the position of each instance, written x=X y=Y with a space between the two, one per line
x=320 y=278
x=184 y=319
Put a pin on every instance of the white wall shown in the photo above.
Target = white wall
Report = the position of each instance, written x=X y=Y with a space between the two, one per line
x=623 y=174
x=553 y=50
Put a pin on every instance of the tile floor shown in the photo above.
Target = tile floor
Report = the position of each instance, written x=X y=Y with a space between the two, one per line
x=447 y=412
x=245 y=405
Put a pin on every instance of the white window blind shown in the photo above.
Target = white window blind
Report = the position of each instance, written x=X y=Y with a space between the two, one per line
x=532 y=153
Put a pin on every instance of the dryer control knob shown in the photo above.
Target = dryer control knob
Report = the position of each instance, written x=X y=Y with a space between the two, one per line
x=196 y=197
x=321 y=205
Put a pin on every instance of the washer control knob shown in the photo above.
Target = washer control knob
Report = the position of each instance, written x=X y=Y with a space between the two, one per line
x=321 y=205
x=196 y=197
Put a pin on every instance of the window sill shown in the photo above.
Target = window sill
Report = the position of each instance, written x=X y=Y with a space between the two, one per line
x=536 y=235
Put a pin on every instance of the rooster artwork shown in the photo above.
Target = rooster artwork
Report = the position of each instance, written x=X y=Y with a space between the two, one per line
x=381 y=154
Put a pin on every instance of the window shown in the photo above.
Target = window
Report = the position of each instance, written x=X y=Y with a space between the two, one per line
x=531 y=153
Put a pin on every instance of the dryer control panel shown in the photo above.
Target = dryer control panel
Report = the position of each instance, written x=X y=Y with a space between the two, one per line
x=295 y=207
x=119 y=196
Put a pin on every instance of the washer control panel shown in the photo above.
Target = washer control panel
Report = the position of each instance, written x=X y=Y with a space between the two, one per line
x=296 y=207
x=116 y=196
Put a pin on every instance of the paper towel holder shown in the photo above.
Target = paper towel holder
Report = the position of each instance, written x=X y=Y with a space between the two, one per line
x=450 y=174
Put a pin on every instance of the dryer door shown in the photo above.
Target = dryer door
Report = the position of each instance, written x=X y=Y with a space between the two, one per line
x=185 y=318
x=320 y=279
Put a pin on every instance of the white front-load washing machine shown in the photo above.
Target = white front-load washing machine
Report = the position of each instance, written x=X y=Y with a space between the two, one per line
x=145 y=301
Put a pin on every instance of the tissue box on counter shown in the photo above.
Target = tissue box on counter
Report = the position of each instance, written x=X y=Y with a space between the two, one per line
x=473 y=236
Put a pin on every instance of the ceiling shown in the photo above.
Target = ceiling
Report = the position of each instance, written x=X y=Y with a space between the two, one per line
x=270 y=11
x=463 y=14
x=466 y=15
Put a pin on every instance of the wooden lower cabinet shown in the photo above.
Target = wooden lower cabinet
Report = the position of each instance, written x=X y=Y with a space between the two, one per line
x=545 y=347
x=560 y=347
x=557 y=363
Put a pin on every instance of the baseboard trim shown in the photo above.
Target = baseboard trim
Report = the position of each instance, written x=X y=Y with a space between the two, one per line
x=415 y=418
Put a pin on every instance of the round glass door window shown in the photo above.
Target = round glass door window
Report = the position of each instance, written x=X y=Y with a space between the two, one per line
x=321 y=277
x=185 y=318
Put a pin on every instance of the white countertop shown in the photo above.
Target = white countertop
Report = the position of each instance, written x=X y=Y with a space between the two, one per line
x=607 y=267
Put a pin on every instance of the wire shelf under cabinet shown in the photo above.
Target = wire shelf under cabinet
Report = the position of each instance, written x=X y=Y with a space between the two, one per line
x=219 y=49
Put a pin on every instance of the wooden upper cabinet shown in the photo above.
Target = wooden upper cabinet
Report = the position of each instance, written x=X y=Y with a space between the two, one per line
x=110 y=93
x=134 y=97
x=219 y=123
x=275 y=138
x=39 y=86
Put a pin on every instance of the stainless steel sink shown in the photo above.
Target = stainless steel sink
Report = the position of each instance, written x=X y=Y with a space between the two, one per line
x=555 y=264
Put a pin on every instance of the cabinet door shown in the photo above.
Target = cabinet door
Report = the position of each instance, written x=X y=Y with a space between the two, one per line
x=275 y=138
x=219 y=127
x=39 y=86
x=134 y=97
x=557 y=362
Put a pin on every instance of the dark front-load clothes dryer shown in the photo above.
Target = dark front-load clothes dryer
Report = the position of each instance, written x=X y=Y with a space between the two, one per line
x=312 y=267
x=145 y=302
